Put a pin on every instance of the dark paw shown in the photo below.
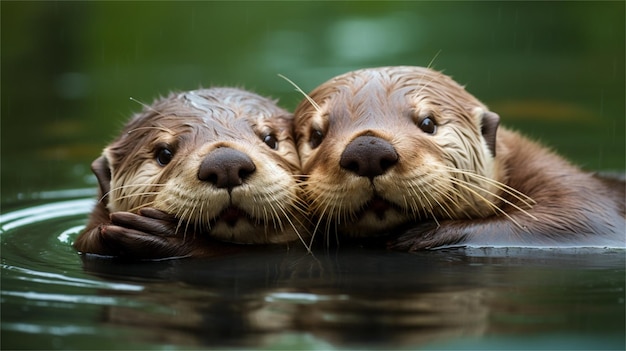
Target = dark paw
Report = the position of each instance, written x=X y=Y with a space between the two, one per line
x=149 y=221
x=421 y=236
x=411 y=243
x=151 y=234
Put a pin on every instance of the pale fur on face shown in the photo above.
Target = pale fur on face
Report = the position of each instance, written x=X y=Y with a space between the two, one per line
x=193 y=124
x=447 y=175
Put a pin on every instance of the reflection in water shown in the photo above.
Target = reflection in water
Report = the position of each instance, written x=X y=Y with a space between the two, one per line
x=357 y=297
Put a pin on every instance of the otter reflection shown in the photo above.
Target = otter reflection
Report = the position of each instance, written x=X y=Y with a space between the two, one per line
x=354 y=298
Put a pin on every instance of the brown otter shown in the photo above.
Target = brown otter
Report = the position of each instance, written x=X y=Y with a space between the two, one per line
x=194 y=168
x=407 y=149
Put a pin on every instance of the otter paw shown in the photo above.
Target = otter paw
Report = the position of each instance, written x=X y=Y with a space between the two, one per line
x=411 y=243
x=135 y=244
x=422 y=236
x=151 y=234
x=149 y=221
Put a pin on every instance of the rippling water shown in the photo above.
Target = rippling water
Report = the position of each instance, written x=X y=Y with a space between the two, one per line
x=350 y=297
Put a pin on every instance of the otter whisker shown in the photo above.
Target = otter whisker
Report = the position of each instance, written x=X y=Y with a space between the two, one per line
x=182 y=215
x=196 y=203
x=286 y=216
x=452 y=194
x=198 y=222
x=494 y=207
x=430 y=64
x=150 y=108
x=178 y=226
x=329 y=207
x=315 y=105
x=467 y=184
x=137 y=208
x=441 y=206
x=298 y=200
x=528 y=201
x=315 y=228
x=345 y=212
x=127 y=186
x=274 y=213
x=193 y=207
x=426 y=208
x=300 y=206
x=298 y=203
x=207 y=222
x=145 y=193
x=322 y=216
x=424 y=86
x=415 y=187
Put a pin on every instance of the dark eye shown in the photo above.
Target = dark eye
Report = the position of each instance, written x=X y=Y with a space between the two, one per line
x=164 y=155
x=316 y=138
x=271 y=141
x=428 y=125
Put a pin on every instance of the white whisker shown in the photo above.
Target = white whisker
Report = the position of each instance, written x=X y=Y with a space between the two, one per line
x=495 y=208
x=315 y=105
x=528 y=201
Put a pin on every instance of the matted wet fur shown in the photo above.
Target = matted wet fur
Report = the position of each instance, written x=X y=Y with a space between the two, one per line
x=195 y=169
x=408 y=150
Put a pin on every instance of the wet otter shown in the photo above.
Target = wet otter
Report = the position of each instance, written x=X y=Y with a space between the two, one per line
x=407 y=149
x=193 y=169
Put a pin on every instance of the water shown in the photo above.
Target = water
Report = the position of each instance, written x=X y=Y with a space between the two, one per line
x=553 y=70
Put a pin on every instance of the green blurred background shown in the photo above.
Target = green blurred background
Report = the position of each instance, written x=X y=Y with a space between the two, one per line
x=554 y=70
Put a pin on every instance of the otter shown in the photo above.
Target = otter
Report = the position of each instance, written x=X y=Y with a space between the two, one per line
x=195 y=170
x=408 y=152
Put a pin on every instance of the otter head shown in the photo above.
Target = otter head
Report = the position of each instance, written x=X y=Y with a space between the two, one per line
x=222 y=160
x=384 y=146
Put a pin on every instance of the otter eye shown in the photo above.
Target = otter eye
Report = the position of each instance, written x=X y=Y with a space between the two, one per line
x=316 y=138
x=164 y=156
x=428 y=125
x=271 y=141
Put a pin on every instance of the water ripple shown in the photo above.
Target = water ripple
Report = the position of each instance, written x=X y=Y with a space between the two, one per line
x=60 y=279
x=31 y=215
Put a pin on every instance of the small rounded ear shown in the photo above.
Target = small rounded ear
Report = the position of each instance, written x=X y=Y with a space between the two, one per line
x=101 y=169
x=489 y=122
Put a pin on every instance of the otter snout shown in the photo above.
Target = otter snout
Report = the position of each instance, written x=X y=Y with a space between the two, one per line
x=368 y=156
x=226 y=168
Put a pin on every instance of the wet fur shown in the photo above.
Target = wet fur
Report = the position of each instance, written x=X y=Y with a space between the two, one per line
x=468 y=183
x=147 y=210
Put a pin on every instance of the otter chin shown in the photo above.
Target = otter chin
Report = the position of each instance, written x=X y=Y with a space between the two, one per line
x=408 y=152
x=194 y=168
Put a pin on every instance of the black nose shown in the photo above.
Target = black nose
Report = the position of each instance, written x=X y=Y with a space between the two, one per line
x=226 y=168
x=368 y=156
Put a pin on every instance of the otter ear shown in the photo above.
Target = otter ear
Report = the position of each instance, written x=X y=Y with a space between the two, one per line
x=489 y=122
x=101 y=169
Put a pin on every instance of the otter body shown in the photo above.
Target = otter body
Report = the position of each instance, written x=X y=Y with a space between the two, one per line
x=195 y=169
x=408 y=150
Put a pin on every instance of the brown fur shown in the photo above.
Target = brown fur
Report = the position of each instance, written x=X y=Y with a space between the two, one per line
x=153 y=210
x=469 y=182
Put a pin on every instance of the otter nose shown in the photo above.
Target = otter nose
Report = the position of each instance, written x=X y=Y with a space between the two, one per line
x=226 y=168
x=368 y=156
